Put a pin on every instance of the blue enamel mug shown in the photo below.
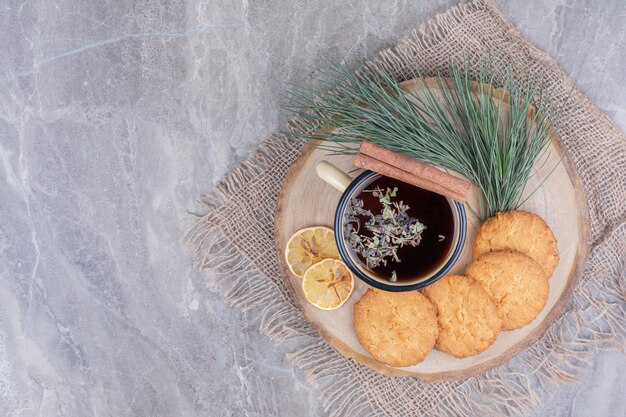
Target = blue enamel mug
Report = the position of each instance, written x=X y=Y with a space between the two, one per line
x=351 y=188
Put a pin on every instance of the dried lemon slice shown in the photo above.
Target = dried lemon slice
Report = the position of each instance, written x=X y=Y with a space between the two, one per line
x=308 y=246
x=328 y=284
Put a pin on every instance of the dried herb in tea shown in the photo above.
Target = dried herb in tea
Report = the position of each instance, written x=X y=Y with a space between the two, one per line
x=418 y=206
x=377 y=237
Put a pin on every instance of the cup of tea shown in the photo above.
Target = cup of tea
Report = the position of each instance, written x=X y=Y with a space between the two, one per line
x=414 y=267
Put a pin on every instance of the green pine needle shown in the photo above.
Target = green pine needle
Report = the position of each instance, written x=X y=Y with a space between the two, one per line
x=465 y=129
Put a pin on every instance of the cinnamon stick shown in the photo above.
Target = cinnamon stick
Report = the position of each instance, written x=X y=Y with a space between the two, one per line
x=373 y=164
x=392 y=164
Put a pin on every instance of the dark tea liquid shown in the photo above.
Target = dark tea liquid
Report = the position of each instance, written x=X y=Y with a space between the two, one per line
x=432 y=210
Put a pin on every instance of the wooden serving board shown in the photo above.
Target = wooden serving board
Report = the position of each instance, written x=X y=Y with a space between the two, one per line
x=306 y=200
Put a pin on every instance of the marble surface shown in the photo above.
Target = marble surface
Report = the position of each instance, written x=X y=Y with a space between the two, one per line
x=115 y=116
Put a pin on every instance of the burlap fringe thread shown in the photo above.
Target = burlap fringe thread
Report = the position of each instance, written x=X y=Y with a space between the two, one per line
x=593 y=320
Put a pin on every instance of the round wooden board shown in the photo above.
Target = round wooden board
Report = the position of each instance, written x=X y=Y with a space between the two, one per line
x=305 y=200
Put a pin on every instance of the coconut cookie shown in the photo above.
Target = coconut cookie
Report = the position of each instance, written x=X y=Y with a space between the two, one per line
x=468 y=318
x=520 y=231
x=515 y=282
x=398 y=329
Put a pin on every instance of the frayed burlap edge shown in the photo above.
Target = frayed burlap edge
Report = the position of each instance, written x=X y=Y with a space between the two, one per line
x=243 y=208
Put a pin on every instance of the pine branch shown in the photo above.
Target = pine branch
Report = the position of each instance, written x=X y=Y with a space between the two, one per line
x=492 y=137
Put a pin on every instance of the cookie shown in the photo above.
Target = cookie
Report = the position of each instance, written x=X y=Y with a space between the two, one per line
x=396 y=328
x=520 y=231
x=468 y=318
x=515 y=282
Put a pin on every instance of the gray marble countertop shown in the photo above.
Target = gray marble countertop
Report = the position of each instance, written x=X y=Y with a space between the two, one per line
x=115 y=116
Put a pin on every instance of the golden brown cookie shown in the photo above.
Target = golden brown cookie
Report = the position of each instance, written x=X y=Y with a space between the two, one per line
x=520 y=231
x=468 y=318
x=396 y=328
x=515 y=282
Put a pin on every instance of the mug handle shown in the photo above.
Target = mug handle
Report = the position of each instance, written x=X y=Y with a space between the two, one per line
x=333 y=175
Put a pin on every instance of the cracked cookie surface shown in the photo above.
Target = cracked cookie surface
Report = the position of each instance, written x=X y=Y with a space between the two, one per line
x=520 y=231
x=467 y=317
x=516 y=284
x=398 y=329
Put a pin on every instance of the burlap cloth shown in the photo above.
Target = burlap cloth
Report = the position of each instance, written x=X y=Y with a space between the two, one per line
x=235 y=240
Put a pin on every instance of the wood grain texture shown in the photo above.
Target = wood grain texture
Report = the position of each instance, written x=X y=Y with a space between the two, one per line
x=305 y=200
